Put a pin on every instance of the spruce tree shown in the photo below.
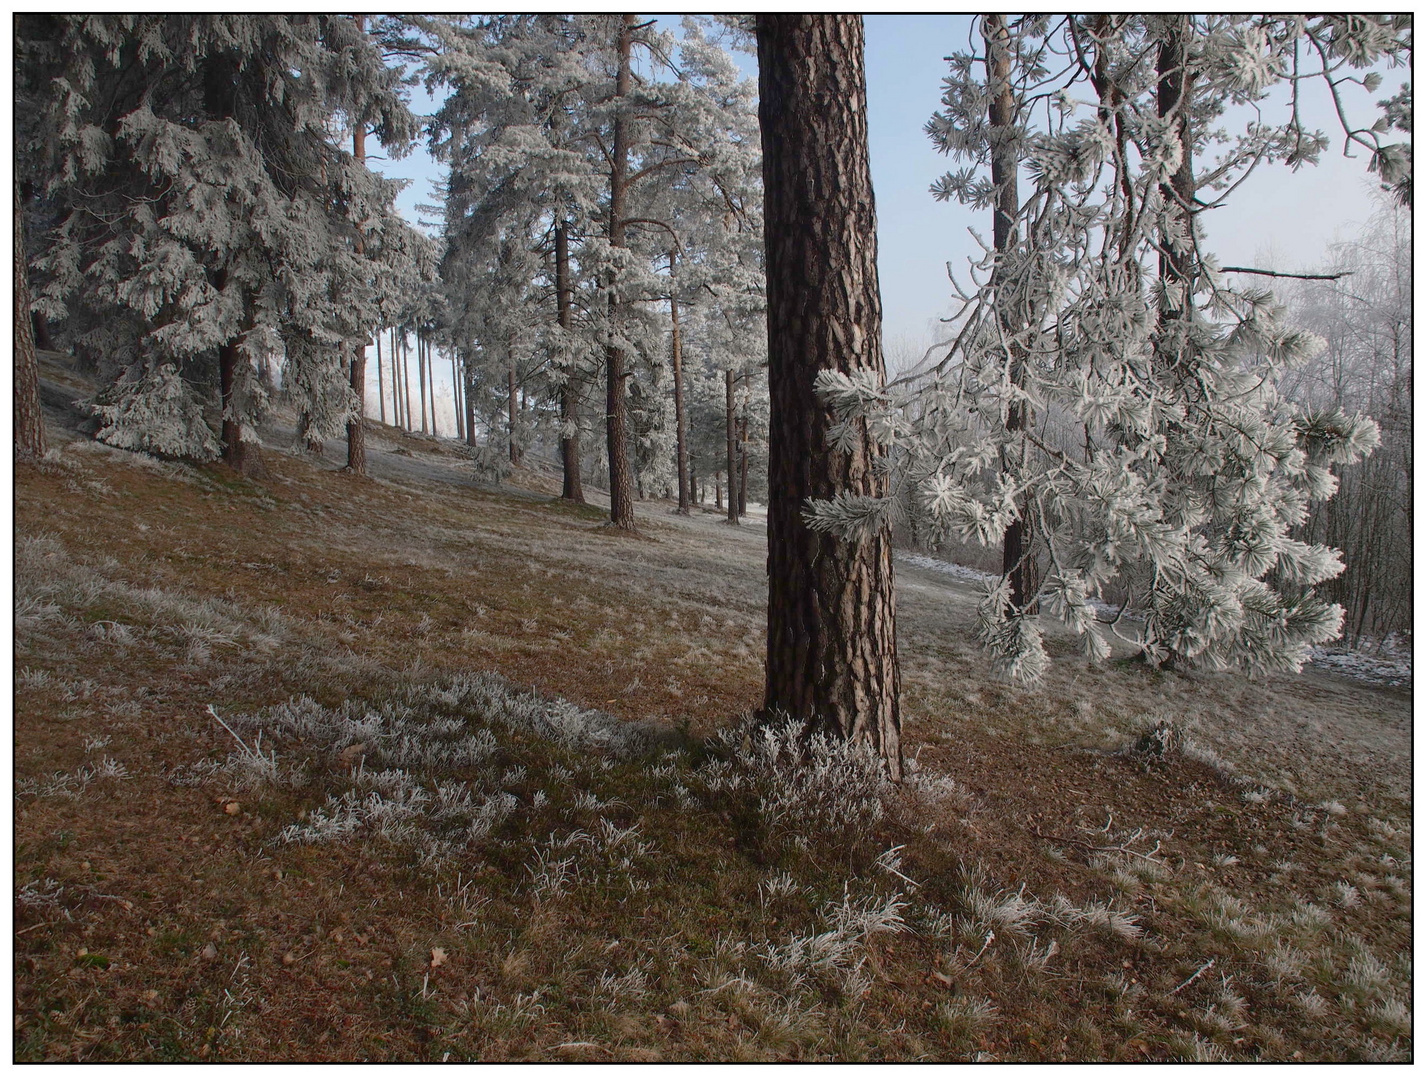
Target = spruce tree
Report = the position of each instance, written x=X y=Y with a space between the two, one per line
x=207 y=221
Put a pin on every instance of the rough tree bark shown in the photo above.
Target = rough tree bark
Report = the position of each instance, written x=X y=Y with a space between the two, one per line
x=1015 y=561
x=621 y=501
x=681 y=418
x=572 y=488
x=29 y=418
x=832 y=650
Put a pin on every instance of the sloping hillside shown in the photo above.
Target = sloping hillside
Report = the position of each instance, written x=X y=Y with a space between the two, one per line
x=422 y=767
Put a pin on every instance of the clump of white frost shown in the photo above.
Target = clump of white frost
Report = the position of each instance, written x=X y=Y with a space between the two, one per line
x=801 y=782
x=156 y=412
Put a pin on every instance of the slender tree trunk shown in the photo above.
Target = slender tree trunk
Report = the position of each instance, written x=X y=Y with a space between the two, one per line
x=357 y=425
x=29 y=417
x=431 y=384
x=1002 y=116
x=512 y=410
x=470 y=407
x=456 y=397
x=220 y=99
x=832 y=645
x=681 y=418
x=398 y=380
x=743 y=462
x=381 y=388
x=231 y=433
x=421 y=375
x=730 y=425
x=718 y=491
x=572 y=488
x=694 y=493
x=395 y=381
x=41 y=329
x=310 y=439
x=406 y=381
x=1176 y=259
x=621 y=504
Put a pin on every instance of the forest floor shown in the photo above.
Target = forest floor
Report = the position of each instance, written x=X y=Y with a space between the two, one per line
x=418 y=767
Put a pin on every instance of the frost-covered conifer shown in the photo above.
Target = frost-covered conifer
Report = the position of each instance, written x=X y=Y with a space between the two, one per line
x=155 y=411
x=205 y=212
x=1157 y=458
x=550 y=137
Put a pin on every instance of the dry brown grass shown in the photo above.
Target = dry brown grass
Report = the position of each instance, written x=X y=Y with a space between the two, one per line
x=1052 y=897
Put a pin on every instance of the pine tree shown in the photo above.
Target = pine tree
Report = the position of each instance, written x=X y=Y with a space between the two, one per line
x=832 y=659
x=1164 y=464
x=537 y=112
x=206 y=219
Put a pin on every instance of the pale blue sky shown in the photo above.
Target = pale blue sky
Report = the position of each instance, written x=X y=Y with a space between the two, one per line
x=1289 y=218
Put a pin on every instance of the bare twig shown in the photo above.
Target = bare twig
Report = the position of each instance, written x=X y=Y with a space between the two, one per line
x=1191 y=978
x=1285 y=274
x=214 y=713
x=1100 y=847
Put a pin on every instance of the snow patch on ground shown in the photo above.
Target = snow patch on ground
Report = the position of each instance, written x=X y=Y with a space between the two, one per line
x=951 y=570
x=980 y=577
x=1388 y=664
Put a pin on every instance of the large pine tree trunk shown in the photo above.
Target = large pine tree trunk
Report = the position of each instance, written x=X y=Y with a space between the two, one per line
x=572 y=489
x=621 y=501
x=832 y=647
x=681 y=417
x=730 y=424
x=29 y=418
x=1015 y=558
